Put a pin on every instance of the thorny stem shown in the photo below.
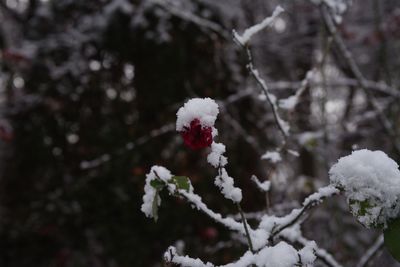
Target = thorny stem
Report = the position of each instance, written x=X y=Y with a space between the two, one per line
x=246 y=229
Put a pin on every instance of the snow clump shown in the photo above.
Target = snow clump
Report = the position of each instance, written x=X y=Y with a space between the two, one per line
x=204 y=109
x=371 y=182
x=156 y=172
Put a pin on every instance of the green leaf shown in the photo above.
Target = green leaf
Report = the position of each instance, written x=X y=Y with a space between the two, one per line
x=392 y=238
x=182 y=182
x=363 y=208
x=155 y=206
x=157 y=184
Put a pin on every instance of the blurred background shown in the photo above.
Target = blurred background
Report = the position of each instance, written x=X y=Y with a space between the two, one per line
x=88 y=96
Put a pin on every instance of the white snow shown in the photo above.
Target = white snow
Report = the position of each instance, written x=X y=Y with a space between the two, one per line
x=371 y=178
x=272 y=156
x=270 y=223
x=291 y=102
x=337 y=7
x=263 y=186
x=171 y=256
x=204 y=109
x=248 y=33
x=226 y=185
x=307 y=254
x=156 y=172
x=322 y=193
x=197 y=202
x=224 y=182
x=280 y=255
x=288 y=103
x=216 y=158
x=307 y=138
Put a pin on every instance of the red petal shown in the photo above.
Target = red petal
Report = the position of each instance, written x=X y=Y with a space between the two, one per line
x=197 y=136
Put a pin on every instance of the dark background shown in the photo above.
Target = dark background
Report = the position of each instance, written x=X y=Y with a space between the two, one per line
x=88 y=96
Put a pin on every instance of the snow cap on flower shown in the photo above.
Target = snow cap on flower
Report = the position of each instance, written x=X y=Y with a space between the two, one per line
x=203 y=109
x=195 y=121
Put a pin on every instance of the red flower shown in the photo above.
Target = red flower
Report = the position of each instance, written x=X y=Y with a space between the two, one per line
x=197 y=136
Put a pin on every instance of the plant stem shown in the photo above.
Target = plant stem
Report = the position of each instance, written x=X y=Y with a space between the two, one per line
x=246 y=229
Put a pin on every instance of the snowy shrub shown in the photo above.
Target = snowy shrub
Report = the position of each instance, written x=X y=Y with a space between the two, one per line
x=370 y=180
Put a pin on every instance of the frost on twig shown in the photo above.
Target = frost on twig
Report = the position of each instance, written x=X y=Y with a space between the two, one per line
x=223 y=180
x=283 y=126
x=243 y=40
x=263 y=186
x=294 y=236
x=272 y=156
x=291 y=102
x=248 y=33
x=275 y=225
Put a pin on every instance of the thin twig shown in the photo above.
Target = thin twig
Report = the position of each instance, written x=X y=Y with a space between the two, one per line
x=308 y=203
x=371 y=252
x=271 y=100
x=193 y=18
x=250 y=243
x=321 y=253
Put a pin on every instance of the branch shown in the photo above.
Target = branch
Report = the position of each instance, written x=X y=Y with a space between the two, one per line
x=371 y=252
x=361 y=81
x=187 y=16
x=200 y=205
x=248 y=33
x=85 y=165
x=282 y=125
x=321 y=253
x=308 y=203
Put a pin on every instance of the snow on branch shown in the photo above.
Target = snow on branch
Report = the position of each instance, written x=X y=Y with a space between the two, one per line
x=280 y=255
x=294 y=235
x=275 y=225
x=291 y=102
x=248 y=33
x=200 y=205
x=263 y=186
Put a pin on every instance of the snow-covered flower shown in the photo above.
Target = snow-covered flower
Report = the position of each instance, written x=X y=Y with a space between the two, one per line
x=195 y=121
x=197 y=136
